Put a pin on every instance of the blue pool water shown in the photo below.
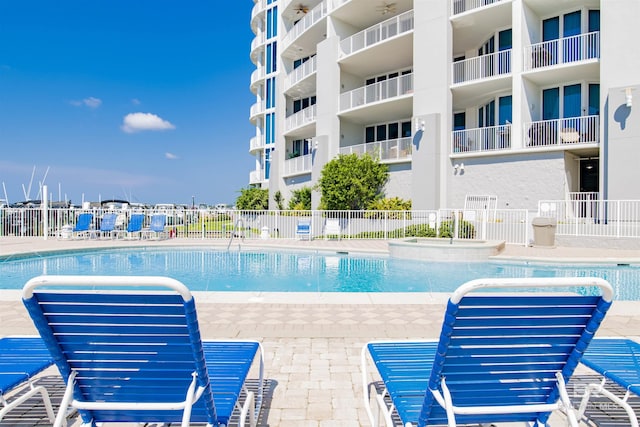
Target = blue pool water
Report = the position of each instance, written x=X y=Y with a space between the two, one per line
x=204 y=269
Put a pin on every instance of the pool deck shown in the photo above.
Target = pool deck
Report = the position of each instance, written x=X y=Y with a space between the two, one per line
x=312 y=341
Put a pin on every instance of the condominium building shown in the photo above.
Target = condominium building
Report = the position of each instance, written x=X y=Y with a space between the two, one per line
x=523 y=100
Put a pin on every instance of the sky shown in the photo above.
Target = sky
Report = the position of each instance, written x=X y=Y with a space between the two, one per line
x=142 y=100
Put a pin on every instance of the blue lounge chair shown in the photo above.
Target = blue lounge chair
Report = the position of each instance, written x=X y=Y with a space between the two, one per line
x=303 y=229
x=83 y=226
x=156 y=228
x=129 y=350
x=108 y=225
x=618 y=361
x=21 y=358
x=134 y=228
x=502 y=356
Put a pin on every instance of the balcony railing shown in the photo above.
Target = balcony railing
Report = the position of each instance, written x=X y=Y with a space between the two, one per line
x=460 y=6
x=255 y=177
x=389 y=150
x=378 y=33
x=569 y=131
x=256 y=143
x=490 y=138
x=258 y=74
x=301 y=118
x=397 y=86
x=313 y=16
x=256 y=109
x=297 y=165
x=562 y=51
x=297 y=74
x=482 y=67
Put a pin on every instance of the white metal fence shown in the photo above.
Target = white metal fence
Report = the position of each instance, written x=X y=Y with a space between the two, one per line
x=578 y=216
x=509 y=225
x=588 y=216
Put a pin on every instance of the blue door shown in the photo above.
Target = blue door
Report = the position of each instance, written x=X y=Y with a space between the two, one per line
x=571 y=46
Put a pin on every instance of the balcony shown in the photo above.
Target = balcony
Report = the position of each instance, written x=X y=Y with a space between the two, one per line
x=301 y=118
x=309 y=20
x=256 y=109
x=482 y=67
x=256 y=143
x=297 y=166
x=461 y=6
x=492 y=138
x=566 y=50
x=256 y=77
x=380 y=91
x=562 y=132
x=300 y=73
x=258 y=9
x=257 y=45
x=386 y=151
x=255 y=177
x=378 y=33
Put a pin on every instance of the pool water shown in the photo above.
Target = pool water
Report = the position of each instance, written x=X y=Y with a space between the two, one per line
x=204 y=269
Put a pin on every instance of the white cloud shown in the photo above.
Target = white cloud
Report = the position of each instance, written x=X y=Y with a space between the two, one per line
x=136 y=122
x=90 y=102
x=170 y=156
x=135 y=101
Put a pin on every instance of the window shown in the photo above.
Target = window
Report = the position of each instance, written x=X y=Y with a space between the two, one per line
x=594 y=99
x=504 y=110
x=459 y=121
x=387 y=131
x=301 y=104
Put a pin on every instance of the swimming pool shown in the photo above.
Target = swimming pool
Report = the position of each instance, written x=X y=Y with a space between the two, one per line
x=210 y=269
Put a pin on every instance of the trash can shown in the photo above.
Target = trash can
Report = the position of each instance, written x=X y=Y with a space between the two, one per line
x=265 y=233
x=544 y=231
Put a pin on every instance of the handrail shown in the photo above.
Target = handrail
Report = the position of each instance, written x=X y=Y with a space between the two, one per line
x=233 y=234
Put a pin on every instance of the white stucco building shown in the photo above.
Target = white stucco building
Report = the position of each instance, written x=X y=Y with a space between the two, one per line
x=521 y=99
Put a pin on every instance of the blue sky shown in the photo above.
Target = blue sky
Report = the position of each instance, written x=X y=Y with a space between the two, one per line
x=129 y=99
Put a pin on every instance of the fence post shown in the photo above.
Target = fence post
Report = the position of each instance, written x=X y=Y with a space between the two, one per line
x=45 y=213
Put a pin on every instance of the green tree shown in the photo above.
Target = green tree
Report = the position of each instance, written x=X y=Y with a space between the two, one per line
x=352 y=182
x=253 y=199
x=300 y=199
x=279 y=200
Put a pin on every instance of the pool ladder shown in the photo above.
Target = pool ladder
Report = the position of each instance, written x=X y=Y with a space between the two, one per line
x=237 y=225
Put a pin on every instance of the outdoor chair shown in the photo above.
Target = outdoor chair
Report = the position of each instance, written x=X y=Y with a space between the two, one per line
x=502 y=356
x=129 y=350
x=21 y=358
x=82 y=229
x=618 y=361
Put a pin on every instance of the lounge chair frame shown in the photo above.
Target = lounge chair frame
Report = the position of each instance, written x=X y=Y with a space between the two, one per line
x=514 y=349
x=16 y=352
x=617 y=360
x=104 y=342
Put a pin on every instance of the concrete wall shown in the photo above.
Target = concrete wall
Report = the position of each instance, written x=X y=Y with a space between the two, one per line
x=620 y=69
x=518 y=181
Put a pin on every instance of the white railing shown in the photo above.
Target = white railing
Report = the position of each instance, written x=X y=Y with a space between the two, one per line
x=569 y=131
x=257 y=108
x=591 y=217
x=297 y=74
x=334 y=4
x=481 y=139
x=313 y=16
x=389 y=150
x=256 y=143
x=258 y=74
x=380 y=91
x=255 y=177
x=400 y=24
x=258 y=7
x=562 y=51
x=460 y=6
x=257 y=41
x=297 y=165
x=576 y=216
x=301 y=118
x=482 y=67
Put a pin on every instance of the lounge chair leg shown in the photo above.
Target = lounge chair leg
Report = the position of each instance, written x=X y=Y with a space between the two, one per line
x=248 y=407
